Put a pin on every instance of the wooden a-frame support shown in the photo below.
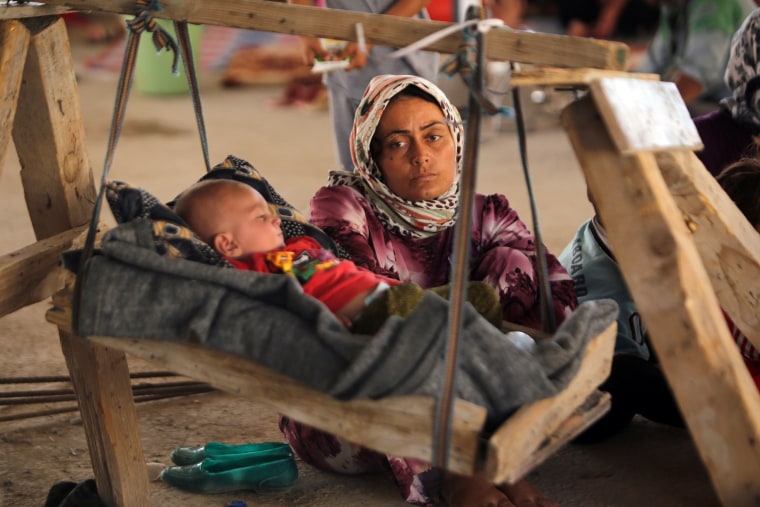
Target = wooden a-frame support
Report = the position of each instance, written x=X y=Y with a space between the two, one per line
x=660 y=261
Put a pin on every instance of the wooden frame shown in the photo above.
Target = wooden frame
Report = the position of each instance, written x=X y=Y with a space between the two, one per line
x=662 y=266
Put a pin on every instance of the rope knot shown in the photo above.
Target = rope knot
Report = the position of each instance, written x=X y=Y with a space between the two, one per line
x=144 y=21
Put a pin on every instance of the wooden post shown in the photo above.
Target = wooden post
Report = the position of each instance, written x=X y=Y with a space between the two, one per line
x=48 y=133
x=727 y=243
x=58 y=185
x=14 y=43
x=672 y=291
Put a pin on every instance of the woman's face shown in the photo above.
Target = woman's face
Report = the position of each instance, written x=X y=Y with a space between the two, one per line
x=416 y=152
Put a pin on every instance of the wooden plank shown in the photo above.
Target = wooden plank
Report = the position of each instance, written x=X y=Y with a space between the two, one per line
x=49 y=134
x=401 y=426
x=582 y=418
x=396 y=31
x=33 y=273
x=512 y=446
x=727 y=243
x=645 y=115
x=555 y=76
x=14 y=43
x=672 y=291
x=101 y=381
x=14 y=10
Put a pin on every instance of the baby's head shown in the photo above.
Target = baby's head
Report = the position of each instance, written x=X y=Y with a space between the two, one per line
x=230 y=216
x=741 y=181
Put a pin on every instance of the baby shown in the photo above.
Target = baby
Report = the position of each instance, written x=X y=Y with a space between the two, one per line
x=237 y=222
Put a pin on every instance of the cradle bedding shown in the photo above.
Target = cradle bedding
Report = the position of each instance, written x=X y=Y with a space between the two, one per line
x=131 y=291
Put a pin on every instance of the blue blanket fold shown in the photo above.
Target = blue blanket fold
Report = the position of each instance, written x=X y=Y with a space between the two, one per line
x=132 y=292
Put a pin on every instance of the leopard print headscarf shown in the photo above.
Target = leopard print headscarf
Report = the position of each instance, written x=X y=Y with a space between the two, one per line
x=742 y=75
x=418 y=219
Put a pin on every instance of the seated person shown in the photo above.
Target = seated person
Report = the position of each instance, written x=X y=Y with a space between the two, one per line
x=607 y=19
x=237 y=222
x=691 y=46
x=636 y=382
x=731 y=131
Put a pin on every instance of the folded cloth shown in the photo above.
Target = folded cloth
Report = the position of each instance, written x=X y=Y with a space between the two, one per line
x=132 y=292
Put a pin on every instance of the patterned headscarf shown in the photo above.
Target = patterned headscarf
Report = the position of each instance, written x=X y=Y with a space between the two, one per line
x=419 y=219
x=742 y=75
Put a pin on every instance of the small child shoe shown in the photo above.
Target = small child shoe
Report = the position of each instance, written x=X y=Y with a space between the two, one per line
x=212 y=476
x=183 y=456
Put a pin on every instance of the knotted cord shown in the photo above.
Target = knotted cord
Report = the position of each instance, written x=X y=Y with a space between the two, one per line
x=469 y=63
x=143 y=21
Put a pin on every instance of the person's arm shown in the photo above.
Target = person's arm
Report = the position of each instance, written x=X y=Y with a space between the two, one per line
x=689 y=87
x=311 y=48
x=607 y=20
x=506 y=259
x=405 y=8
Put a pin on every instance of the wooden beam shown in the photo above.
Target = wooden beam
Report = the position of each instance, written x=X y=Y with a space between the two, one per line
x=401 y=426
x=14 y=43
x=34 y=10
x=49 y=134
x=559 y=77
x=33 y=273
x=511 y=448
x=727 y=243
x=502 y=44
x=672 y=291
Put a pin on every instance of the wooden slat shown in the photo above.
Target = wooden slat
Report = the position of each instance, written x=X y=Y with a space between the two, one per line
x=29 y=10
x=14 y=43
x=582 y=418
x=49 y=137
x=49 y=134
x=727 y=243
x=644 y=115
x=672 y=292
x=503 y=44
x=555 y=76
x=401 y=426
x=511 y=448
x=33 y=273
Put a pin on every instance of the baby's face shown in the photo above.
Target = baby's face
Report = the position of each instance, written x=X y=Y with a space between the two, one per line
x=256 y=229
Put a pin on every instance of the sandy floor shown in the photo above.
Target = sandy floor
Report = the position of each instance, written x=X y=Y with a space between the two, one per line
x=159 y=150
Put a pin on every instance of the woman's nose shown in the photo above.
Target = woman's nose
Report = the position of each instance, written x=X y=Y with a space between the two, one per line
x=276 y=220
x=420 y=153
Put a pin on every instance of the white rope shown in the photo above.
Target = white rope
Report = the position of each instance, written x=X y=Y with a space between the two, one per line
x=483 y=26
x=360 y=38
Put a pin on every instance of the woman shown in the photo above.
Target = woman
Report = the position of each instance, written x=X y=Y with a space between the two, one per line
x=395 y=215
x=729 y=133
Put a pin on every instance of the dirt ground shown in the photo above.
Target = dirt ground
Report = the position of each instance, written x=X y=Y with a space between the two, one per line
x=159 y=150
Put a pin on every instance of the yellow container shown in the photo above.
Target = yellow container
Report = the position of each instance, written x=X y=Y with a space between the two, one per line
x=153 y=70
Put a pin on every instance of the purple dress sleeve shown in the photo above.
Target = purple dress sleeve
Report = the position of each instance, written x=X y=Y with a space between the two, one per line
x=504 y=256
x=724 y=140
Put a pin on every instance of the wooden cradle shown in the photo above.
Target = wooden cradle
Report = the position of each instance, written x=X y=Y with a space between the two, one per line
x=663 y=212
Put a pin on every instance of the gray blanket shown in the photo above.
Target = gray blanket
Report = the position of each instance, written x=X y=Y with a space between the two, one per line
x=132 y=292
